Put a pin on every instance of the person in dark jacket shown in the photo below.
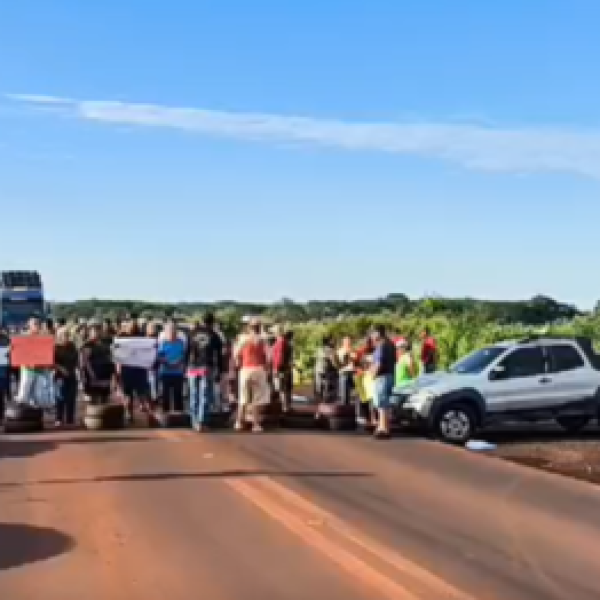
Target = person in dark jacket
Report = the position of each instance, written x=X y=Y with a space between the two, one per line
x=66 y=364
x=282 y=365
x=204 y=370
x=326 y=372
x=97 y=367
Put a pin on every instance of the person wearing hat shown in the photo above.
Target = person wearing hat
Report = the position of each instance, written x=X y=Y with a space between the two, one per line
x=406 y=366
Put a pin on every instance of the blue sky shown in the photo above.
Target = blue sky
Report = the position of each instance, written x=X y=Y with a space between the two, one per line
x=226 y=149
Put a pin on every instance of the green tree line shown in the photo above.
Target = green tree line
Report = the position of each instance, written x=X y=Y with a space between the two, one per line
x=536 y=311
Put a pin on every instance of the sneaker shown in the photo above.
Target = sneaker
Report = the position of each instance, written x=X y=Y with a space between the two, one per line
x=197 y=427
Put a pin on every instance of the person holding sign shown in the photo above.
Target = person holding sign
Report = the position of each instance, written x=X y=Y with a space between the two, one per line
x=34 y=353
x=135 y=383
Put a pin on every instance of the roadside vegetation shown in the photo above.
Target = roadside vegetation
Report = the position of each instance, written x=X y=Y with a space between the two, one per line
x=460 y=325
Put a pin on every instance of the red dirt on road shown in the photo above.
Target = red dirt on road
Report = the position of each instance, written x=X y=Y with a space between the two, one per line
x=149 y=515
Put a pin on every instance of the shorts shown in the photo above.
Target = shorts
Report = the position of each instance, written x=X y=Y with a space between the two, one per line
x=136 y=383
x=254 y=386
x=382 y=391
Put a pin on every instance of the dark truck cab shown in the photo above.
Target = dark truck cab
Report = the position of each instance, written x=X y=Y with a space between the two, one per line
x=21 y=298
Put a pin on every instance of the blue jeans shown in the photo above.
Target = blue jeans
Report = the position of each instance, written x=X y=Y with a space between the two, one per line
x=383 y=387
x=202 y=397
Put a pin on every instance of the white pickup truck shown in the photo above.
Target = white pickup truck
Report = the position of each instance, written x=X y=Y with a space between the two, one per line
x=531 y=380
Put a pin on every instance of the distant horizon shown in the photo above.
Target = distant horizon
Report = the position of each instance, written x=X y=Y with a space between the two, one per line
x=320 y=300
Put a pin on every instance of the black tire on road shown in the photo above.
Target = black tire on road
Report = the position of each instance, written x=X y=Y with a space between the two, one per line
x=337 y=416
x=104 y=417
x=17 y=411
x=11 y=426
x=455 y=423
x=220 y=420
x=341 y=423
x=175 y=420
x=573 y=424
x=93 y=423
x=301 y=415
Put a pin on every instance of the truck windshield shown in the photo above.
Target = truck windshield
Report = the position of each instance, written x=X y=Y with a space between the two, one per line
x=477 y=361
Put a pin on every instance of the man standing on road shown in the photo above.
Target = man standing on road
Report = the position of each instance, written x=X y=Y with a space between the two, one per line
x=97 y=368
x=282 y=364
x=428 y=351
x=383 y=369
x=171 y=365
x=205 y=367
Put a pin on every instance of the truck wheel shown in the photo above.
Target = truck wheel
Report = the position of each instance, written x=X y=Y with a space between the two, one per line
x=454 y=423
x=573 y=424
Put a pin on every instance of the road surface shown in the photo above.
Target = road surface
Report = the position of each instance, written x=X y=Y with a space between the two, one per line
x=171 y=515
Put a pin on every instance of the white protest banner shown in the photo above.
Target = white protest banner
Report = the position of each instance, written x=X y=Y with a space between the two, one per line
x=135 y=352
x=4 y=360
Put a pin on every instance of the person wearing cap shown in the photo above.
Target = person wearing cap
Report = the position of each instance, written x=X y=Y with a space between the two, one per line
x=406 y=366
x=383 y=370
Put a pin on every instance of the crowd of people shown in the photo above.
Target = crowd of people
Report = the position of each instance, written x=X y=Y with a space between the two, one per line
x=366 y=374
x=251 y=370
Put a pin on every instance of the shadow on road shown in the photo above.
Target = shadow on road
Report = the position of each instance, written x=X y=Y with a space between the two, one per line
x=228 y=474
x=24 y=544
x=28 y=447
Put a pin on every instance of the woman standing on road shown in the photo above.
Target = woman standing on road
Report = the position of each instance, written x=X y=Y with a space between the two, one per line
x=406 y=365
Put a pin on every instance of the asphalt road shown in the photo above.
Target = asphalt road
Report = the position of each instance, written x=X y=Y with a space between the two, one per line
x=171 y=515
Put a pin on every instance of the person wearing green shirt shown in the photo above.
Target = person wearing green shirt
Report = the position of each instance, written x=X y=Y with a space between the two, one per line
x=406 y=366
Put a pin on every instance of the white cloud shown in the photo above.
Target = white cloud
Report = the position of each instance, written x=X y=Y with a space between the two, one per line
x=518 y=149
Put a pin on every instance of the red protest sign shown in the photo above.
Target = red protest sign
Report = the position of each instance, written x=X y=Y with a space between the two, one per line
x=32 y=351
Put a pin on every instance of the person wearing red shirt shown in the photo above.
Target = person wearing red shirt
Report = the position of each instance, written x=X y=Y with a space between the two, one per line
x=428 y=351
